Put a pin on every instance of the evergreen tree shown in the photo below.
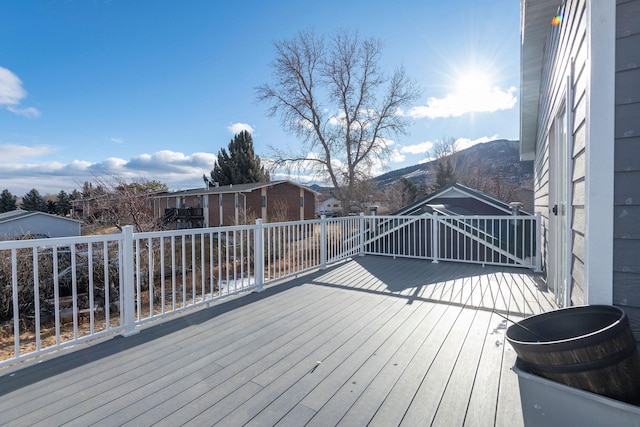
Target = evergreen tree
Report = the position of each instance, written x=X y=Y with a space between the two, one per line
x=75 y=195
x=445 y=173
x=63 y=203
x=240 y=165
x=33 y=201
x=446 y=153
x=7 y=201
x=400 y=194
x=88 y=190
x=51 y=207
x=408 y=191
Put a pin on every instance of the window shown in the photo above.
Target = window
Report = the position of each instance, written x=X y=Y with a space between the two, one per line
x=264 y=201
x=301 y=201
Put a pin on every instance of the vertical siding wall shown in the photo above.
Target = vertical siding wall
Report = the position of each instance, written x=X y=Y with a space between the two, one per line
x=626 y=244
x=566 y=45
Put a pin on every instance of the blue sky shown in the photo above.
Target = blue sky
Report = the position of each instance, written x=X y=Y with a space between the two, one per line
x=154 y=88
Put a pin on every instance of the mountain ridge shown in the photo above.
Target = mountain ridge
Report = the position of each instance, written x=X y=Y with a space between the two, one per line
x=499 y=159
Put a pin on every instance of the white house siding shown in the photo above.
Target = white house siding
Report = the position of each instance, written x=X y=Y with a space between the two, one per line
x=566 y=44
x=626 y=244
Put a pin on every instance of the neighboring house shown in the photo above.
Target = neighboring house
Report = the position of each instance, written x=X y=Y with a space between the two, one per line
x=580 y=122
x=19 y=223
x=456 y=199
x=329 y=205
x=235 y=204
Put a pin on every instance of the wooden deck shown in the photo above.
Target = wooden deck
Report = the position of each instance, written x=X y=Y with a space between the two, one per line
x=372 y=341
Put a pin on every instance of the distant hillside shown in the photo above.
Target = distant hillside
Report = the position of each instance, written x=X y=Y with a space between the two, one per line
x=491 y=160
x=493 y=168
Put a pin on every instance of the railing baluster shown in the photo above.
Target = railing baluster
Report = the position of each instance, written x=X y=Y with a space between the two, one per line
x=128 y=290
x=150 y=276
x=138 y=284
x=16 y=308
x=163 y=290
x=203 y=270
x=91 y=307
x=211 y=265
x=74 y=290
x=173 y=273
x=258 y=269
x=194 y=269
x=56 y=293
x=36 y=296
x=183 y=270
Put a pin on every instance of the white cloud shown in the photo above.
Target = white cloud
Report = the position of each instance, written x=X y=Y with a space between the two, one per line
x=464 y=143
x=236 y=128
x=466 y=100
x=301 y=178
x=378 y=166
x=460 y=144
x=396 y=157
x=26 y=167
x=13 y=154
x=28 y=112
x=172 y=162
x=117 y=140
x=421 y=148
x=387 y=142
x=12 y=92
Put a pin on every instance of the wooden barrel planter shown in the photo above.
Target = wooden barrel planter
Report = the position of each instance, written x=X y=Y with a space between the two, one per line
x=588 y=347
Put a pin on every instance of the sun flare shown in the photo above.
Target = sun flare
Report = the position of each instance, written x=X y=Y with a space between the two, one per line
x=473 y=82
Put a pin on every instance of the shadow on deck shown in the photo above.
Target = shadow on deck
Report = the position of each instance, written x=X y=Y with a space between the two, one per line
x=372 y=341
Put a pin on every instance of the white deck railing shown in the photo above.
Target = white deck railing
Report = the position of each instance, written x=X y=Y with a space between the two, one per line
x=63 y=291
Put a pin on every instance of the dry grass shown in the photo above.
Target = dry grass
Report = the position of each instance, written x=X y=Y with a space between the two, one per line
x=98 y=229
x=48 y=333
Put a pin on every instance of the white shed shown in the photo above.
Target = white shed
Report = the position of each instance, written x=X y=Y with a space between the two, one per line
x=20 y=222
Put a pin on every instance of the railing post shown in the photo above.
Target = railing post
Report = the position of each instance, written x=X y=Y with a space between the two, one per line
x=323 y=242
x=258 y=255
x=538 y=251
x=361 y=234
x=128 y=285
x=435 y=239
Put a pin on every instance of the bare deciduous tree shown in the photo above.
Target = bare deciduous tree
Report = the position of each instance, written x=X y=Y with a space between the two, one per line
x=331 y=93
x=120 y=202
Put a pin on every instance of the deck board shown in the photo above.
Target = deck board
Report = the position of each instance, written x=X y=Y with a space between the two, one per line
x=394 y=407
x=452 y=410
x=481 y=408
x=362 y=411
x=400 y=341
x=428 y=397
